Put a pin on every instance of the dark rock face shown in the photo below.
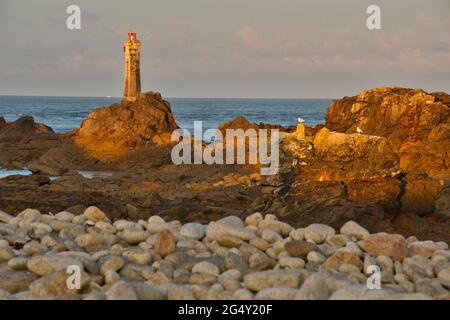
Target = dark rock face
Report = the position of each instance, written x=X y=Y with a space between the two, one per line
x=442 y=97
x=128 y=124
x=417 y=127
x=383 y=111
x=393 y=176
x=243 y=123
x=354 y=152
x=110 y=135
x=239 y=122
x=336 y=177
x=416 y=124
x=24 y=140
x=24 y=127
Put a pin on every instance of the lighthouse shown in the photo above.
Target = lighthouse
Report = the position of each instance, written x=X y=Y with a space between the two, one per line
x=132 y=50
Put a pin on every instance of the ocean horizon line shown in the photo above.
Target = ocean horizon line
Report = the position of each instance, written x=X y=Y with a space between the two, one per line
x=168 y=98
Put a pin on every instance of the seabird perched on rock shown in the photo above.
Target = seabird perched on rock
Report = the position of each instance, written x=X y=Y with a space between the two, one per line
x=359 y=130
x=300 y=120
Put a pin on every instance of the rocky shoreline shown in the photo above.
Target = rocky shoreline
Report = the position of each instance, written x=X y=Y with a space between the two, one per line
x=377 y=171
x=394 y=177
x=256 y=258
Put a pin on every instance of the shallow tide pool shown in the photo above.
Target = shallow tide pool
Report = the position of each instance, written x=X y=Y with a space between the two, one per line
x=25 y=172
x=6 y=173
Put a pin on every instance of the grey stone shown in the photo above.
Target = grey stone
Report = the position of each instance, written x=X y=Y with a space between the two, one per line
x=314 y=288
x=260 y=261
x=6 y=254
x=272 y=279
x=206 y=268
x=15 y=281
x=179 y=292
x=318 y=232
x=145 y=291
x=291 y=263
x=193 y=230
x=276 y=294
x=229 y=226
x=121 y=290
x=95 y=214
x=351 y=228
x=48 y=264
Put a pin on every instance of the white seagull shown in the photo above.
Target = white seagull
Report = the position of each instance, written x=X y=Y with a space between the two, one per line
x=359 y=130
x=300 y=120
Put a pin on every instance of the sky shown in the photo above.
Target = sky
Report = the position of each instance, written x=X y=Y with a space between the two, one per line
x=225 y=48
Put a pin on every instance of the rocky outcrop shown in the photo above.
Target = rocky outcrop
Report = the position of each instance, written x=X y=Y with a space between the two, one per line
x=243 y=123
x=23 y=128
x=442 y=97
x=385 y=111
x=416 y=124
x=189 y=193
x=327 y=175
x=386 y=178
x=142 y=180
x=352 y=153
x=417 y=127
x=23 y=140
x=333 y=177
x=127 y=125
x=112 y=137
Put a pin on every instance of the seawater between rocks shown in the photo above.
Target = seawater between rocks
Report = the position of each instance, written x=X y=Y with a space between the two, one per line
x=6 y=173
x=25 y=172
x=94 y=174
x=64 y=114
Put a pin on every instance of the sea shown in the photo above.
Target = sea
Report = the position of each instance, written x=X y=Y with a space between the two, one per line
x=64 y=114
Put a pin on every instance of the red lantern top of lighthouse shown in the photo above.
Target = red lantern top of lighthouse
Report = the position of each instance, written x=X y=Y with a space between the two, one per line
x=132 y=35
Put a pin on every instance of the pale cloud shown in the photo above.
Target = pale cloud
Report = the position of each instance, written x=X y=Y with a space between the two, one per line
x=424 y=19
x=349 y=50
x=202 y=48
x=249 y=37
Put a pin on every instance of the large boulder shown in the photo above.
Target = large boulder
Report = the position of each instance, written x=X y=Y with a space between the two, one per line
x=241 y=122
x=354 y=152
x=395 y=112
x=339 y=177
x=24 y=140
x=126 y=131
x=128 y=124
x=15 y=281
x=381 y=160
x=416 y=124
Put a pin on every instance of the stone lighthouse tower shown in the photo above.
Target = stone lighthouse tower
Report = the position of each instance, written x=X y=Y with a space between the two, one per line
x=132 y=49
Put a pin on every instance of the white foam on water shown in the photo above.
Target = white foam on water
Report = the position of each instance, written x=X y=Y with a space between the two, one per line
x=94 y=174
x=25 y=172
x=6 y=173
